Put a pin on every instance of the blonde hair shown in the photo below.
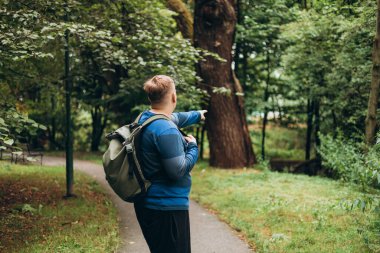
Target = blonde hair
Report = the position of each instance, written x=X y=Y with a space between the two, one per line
x=157 y=87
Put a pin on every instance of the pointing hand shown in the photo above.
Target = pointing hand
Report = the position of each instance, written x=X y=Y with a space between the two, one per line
x=203 y=112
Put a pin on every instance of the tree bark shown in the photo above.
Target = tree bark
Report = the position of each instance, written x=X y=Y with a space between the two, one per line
x=266 y=97
x=69 y=123
x=278 y=106
x=197 y=134
x=227 y=128
x=370 y=122
x=265 y=121
x=316 y=133
x=202 y=142
x=245 y=67
x=309 y=131
x=184 y=19
x=237 y=44
x=53 y=122
x=317 y=123
x=99 y=122
x=335 y=123
x=96 y=125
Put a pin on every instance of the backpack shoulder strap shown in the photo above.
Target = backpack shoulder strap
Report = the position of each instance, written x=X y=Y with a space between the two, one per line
x=138 y=118
x=124 y=132
x=139 y=128
x=160 y=116
x=153 y=118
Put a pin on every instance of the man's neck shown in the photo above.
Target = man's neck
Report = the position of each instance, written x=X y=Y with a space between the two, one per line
x=165 y=111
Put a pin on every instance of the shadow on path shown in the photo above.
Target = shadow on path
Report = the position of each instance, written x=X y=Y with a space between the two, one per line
x=208 y=234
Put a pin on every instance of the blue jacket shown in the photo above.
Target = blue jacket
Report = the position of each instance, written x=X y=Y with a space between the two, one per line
x=167 y=159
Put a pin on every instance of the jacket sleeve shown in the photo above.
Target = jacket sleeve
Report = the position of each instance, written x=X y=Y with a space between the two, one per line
x=184 y=119
x=176 y=159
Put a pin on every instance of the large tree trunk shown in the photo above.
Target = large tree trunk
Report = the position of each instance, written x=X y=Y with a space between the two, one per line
x=214 y=28
x=370 y=126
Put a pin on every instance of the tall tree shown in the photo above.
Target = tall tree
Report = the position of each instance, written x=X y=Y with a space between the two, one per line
x=214 y=29
x=69 y=136
x=370 y=128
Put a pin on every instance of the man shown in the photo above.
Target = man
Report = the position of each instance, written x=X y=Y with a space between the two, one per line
x=167 y=159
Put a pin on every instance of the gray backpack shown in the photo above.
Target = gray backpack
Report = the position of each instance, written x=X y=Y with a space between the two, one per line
x=122 y=168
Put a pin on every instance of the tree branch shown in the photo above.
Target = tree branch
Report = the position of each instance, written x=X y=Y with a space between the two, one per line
x=184 y=19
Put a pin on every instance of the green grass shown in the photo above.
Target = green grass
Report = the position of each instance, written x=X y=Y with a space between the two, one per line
x=35 y=218
x=285 y=212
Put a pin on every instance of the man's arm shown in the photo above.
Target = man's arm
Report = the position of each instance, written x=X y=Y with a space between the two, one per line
x=184 y=119
x=177 y=162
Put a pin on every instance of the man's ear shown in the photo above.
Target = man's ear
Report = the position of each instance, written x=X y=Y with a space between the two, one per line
x=174 y=98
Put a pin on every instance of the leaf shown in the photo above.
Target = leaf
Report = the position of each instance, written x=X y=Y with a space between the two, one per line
x=4 y=129
x=221 y=90
x=167 y=13
x=28 y=208
x=9 y=142
x=42 y=127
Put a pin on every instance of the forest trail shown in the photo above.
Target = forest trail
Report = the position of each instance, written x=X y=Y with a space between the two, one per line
x=208 y=234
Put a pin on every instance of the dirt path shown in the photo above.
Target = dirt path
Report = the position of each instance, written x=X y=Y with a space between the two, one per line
x=208 y=234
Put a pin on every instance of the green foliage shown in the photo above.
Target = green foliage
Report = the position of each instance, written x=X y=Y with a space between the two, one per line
x=260 y=49
x=289 y=55
x=15 y=126
x=331 y=48
x=83 y=124
x=351 y=70
x=114 y=47
x=20 y=36
x=350 y=162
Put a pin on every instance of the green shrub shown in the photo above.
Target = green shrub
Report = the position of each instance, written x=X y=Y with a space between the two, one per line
x=351 y=161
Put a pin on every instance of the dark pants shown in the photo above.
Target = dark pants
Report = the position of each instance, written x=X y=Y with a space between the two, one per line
x=165 y=231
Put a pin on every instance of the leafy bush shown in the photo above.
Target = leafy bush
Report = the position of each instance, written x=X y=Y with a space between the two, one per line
x=357 y=163
x=351 y=161
x=15 y=125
